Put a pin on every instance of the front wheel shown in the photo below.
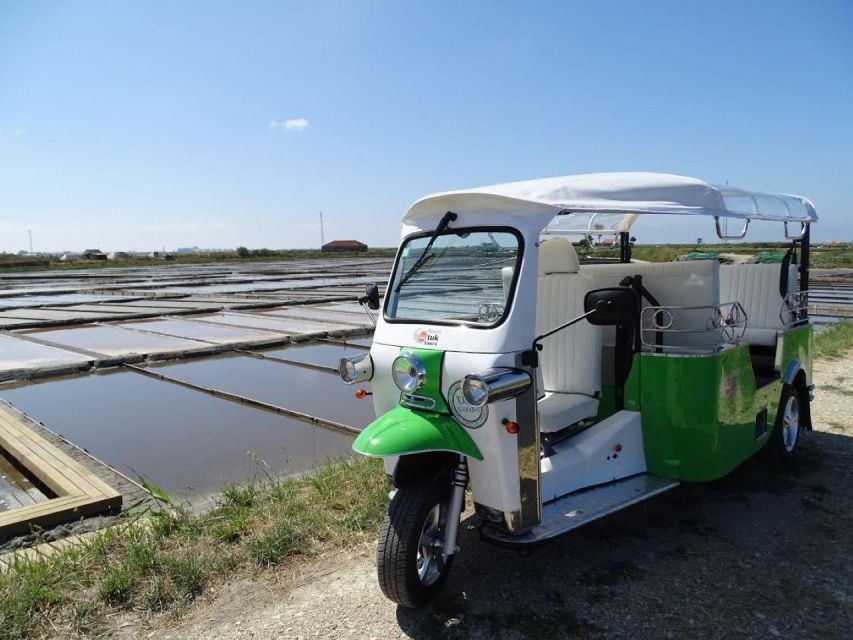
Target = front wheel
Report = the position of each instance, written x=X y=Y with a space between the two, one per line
x=410 y=561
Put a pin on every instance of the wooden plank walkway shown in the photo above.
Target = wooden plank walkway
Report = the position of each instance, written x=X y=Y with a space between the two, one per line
x=78 y=492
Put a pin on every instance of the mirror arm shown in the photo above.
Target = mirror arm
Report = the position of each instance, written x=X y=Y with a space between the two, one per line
x=364 y=306
x=531 y=358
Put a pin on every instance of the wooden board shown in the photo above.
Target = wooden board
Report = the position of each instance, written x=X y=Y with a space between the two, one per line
x=78 y=491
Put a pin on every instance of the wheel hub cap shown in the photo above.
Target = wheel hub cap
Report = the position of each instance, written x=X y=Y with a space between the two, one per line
x=791 y=424
x=431 y=558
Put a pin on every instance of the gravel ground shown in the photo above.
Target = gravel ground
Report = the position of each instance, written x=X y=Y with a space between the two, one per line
x=759 y=554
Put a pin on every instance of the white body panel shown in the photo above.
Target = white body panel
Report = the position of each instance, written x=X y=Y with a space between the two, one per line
x=587 y=459
x=494 y=480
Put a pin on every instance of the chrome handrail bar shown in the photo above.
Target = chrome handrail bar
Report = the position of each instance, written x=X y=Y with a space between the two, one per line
x=727 y=319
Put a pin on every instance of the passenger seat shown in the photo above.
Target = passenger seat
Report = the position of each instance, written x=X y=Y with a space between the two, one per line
x=570 y=360
x=757 y=288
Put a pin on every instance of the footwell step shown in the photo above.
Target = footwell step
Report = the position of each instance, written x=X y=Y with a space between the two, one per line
x=584 y=506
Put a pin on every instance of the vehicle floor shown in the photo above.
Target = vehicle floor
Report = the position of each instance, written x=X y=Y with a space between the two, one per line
x=760 y=554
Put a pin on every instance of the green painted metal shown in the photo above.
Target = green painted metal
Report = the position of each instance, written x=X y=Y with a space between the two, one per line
x=432 y=360
x=402 y=431
x=607 y=401
x=699 y=412
x=797 y=344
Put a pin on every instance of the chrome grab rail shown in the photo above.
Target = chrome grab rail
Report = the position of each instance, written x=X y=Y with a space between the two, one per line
x=726 y=320
x=723 y=236
x=795 y=308
x=796 y=236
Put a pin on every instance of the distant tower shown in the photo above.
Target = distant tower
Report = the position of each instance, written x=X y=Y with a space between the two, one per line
x=322 y=234
x=30 y=232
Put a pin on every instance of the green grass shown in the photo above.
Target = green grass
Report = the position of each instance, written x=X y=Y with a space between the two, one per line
x=166 y=565
x=835 y=341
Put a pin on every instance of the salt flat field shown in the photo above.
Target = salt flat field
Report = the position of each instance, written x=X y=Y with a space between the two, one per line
x=192 y=376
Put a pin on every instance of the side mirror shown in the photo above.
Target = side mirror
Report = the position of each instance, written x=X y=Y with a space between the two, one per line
x=611 y=306
x=371 y=297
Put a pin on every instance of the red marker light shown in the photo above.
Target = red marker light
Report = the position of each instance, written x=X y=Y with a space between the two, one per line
x=511 y=427
x=361 y=394
x=617 y=447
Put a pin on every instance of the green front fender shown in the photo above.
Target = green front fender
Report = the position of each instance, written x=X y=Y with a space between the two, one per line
x=402 y=431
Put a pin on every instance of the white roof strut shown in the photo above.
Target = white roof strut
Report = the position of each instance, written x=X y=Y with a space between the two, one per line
x=609 y=202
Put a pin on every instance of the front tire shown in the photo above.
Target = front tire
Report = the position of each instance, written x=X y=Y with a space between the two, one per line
x=789 y=424
x=409 y=559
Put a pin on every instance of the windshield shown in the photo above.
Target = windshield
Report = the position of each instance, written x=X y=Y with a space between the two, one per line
x=464 y=277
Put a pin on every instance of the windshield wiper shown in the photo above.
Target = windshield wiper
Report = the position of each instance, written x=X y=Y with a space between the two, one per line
x=442 y=225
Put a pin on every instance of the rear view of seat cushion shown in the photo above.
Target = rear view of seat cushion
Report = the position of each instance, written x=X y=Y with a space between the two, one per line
x=678 y=284
x=756 y=287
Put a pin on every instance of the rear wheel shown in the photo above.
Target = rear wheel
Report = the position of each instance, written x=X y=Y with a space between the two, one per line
x=410 y=561
x=786 y=431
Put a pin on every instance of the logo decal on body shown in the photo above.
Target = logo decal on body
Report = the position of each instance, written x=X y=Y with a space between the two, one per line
x=466 y=414
x=427 y=337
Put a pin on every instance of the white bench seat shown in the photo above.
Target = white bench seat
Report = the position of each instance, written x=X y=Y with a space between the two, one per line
x=756 y=287
x=559 y=410
x=570 y=361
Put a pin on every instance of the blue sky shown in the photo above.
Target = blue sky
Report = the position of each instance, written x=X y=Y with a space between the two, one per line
x=134 y=125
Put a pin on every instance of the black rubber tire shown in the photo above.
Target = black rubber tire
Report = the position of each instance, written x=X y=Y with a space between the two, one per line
x=776 y=445
x=397 y=551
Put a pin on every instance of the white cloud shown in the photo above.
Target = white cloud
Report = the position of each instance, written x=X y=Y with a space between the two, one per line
x=291 y=124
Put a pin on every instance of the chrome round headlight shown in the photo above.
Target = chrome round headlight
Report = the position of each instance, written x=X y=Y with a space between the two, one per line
x=354 y=370
x=495 y=384
x=475 y=390
x=408 y=372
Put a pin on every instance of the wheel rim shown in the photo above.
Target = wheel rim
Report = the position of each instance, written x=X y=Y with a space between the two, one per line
x=791 y=424
x=431 y=560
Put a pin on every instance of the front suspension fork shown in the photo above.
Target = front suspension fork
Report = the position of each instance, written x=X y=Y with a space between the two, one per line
x=454 y=509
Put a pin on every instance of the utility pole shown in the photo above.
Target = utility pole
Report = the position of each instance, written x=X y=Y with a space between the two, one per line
x=322 y=234
x=30 y=232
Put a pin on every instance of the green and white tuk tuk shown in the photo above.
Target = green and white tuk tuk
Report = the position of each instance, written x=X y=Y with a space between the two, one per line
x=561 y=391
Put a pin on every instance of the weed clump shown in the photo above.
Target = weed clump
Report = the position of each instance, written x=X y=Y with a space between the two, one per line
x=165 y=561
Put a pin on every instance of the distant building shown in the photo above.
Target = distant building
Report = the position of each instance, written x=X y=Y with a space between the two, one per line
x=187 y=250
x=119 y=255
x=340 y=246
x=94 y=254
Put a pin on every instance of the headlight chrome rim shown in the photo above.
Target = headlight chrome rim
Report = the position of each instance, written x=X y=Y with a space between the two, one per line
x=408 y=372
x=354 y=370
x=494 y=385
x=475 y=390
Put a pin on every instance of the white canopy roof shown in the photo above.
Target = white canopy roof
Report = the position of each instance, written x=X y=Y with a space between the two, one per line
x=602 y=202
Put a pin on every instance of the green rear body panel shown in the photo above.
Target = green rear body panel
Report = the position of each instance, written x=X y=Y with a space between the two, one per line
x=699 y=412
x=402 y=431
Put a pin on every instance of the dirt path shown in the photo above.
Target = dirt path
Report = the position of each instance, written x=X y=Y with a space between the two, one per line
x=756 y=555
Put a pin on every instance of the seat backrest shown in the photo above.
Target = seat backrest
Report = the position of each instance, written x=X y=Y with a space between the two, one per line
x=570 y=360
x=692 y=283
x=756 y=287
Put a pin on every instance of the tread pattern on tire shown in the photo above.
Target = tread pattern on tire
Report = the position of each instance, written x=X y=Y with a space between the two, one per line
x=398 y=538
